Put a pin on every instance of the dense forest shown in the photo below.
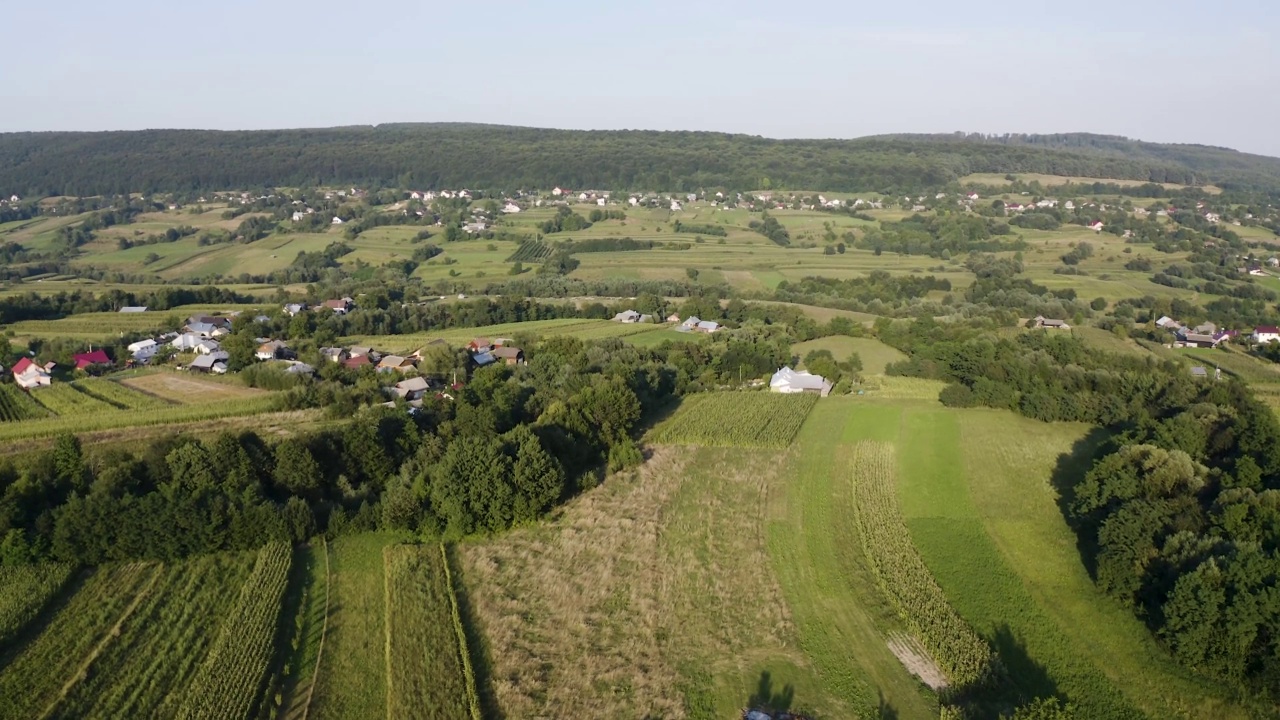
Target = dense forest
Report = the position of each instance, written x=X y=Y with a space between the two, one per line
x=492 y=156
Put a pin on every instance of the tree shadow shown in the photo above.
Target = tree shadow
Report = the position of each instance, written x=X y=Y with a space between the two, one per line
x=1069 y=470
x=886 y=711
x=1031 y=679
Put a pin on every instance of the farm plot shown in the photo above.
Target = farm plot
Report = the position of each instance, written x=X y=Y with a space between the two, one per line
x=736 y=419
x=351 y=681
x=15 y=404
x=116 y=419
x=429 y=673
x=531 y=251
x=118 y=395
x=230 y=681
x=187 y=389
x=67 y=401
x=145 y=669
x=24 y=591
x=963 y=656
x=32 y=681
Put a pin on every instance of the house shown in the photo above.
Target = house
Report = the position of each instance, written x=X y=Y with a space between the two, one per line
x=1266 y=334
x=627 y=316
x=973 y=196
x=480 y=344
x=271 y=350
x=293 y=309
x=482 y=358
x=1194 y=339
x=207 y=325
x=394 y=362
x=205 y=347
x=14 y=198
x=1206 y=328
x=1097 y=226
x=355 y=362
x=297 y=215
x=508 y=354
x=334 y=354
x=186 y=342
x=133 y=309
x=143 y=350
x=340 y=306
x=91 y=358
x=557 y=192
x=473 y=228
x=1273 y=262
x=790 y=381
x=601 y=201
x=707 y=326
x=1168 y=323
x=215 y=362
x=673 y=318
x=1044 y=322
x=633 y=201
x=675 y=206
x=29 y=375
x=411 y=389
x=299 y=368
x=690 y=323
x=336 y=220
x=510 y=207
x=691 y=197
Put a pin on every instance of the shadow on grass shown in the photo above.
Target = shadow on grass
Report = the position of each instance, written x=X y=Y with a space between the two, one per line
x=481 y=662
x=1069 y=470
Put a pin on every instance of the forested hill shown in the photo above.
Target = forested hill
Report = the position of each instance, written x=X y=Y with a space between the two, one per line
x=491 y=156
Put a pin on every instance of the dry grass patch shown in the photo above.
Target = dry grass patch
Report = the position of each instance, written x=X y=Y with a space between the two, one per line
x=187 y=389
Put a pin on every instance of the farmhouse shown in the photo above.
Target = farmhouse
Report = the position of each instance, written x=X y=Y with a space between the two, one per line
x=215 y=362
x=340 y=306
x=508 y=354
x=1195 y=339
x=27 y=374
x=480 y=344
x=1168 y=323
x=186 y=342
x=271 y=350
x=334 y=354
x=673 y=318
x=1266 y=334
x=1044 y=322
x=790 y=381
x=293 y=309
x=143 y=350
x=411 y=389
x=394 y=362
x=89 y=359
x=355 y=362
x=627 y=316
x=510 y=207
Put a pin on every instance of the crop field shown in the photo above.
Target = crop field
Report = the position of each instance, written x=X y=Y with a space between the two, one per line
x=1253 y=370
x=963 y=656
x=65 y=401
x=894 y=387
x=36 y=675
x=875 y=355
x=230 y=680
x=186 y=388
x=736 y=419
x=560 y=327
x=95 y=327
x=351 y=681
x=24 y=591
x=145 y=668
x=427 y=667
x=16 y=404
x=117 y=395
x=1109 y=342
x=116 y=419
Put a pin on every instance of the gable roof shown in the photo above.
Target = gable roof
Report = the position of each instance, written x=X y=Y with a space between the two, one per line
x=1267 y=329
x=507 y=352
x=96 y=357
x=22 y=365
x=206 y=362
x=356 y=361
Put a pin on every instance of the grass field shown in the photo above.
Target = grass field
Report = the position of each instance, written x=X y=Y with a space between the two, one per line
x=187 y=388
x=729 y=419
x=96 y=327
x=874 y=354
x=565 y=327
x=351 y=681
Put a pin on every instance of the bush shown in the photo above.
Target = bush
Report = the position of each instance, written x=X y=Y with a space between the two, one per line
x=957 y=395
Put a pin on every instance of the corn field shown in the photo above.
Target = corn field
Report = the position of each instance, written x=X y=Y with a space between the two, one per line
x=33 y=680
x=153 y=655
x=962 y=655
x=736 y=419
x=66 y=401
x=426 y=661
x=118 y=395
x=229 y=682
x=24 y=591
x=113 y=418
x=15 y=404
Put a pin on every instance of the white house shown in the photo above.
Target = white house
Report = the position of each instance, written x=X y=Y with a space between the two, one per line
x=973 y=196
x=336 y=220
x=601 y=202
x=14 y=198
x=675 y=206
x=557 y=192
x=582 y=197
x=510 y=207
x=186 y=342
x=27 y=374
x=691 y=197
x=1266 y=334
x=633 y=200
x=206 y=347
x=789 y=381
x=1097 y=227
x=143 y=350
x=627 y=316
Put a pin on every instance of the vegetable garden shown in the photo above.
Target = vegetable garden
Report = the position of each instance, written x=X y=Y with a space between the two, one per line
x=533 y=251
x=736 y=419
x=66 y=401
x=16 y=404
x=117 y=395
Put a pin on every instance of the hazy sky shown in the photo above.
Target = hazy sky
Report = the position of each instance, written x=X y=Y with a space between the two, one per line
x=1171 y=71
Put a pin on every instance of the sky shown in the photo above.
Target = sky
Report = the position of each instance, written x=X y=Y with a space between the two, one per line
x=1171 y=71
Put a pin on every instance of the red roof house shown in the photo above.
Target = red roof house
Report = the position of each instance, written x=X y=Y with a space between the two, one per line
x=22 y=365
x=97 y=357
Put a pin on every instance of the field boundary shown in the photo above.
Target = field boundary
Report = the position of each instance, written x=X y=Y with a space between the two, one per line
x=324 y=629
x=473 y=697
